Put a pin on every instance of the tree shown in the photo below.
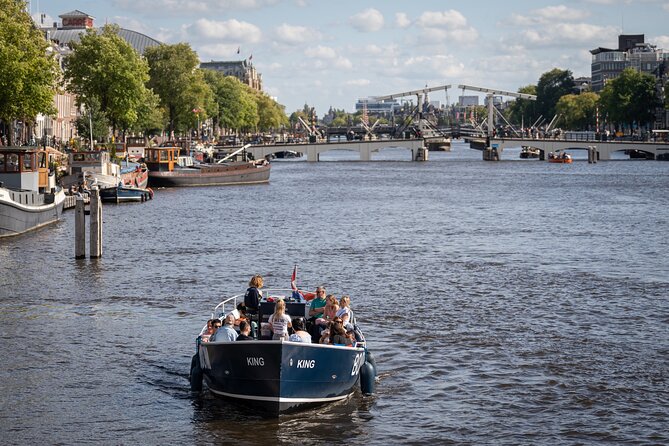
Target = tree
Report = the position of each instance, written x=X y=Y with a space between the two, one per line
x=578 y=111
x=271 y=115
x=630 y=98
x=28 y=74
x=524 y=111
x=106 y=67
x=551 y=87
x=237 y=108
x=93 y=116
x=174 y=76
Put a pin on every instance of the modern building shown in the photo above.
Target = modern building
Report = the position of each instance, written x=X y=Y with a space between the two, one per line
x=376 y=107
x=468 y=101
x=632 y=52
x=241 y=69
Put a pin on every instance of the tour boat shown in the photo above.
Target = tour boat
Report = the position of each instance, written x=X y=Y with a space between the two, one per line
x=29 y=198
x=277 y=376
x=563 y=158
x=167 y=170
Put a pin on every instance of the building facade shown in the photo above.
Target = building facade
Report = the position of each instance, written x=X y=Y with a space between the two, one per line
x=632 y=52
x=242 y=70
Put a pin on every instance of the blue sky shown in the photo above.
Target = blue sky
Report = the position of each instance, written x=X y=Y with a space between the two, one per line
x=332 y=53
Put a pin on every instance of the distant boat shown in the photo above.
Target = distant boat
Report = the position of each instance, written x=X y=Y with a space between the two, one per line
x=96 y=167
x=167 y=169
x=530 y=152
x=29 y=197
x=560 y=158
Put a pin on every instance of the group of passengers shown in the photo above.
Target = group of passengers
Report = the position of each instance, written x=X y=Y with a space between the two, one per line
x=330 y=321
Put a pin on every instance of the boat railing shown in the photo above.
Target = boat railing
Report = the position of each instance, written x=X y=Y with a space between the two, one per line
x=230 y=303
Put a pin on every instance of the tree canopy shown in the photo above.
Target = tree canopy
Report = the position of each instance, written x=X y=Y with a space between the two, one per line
x=105 y=67
x=524 y=111
x=578 y=110
x=630 y=98
x=28 y=73
x=551 y=87
x=176 y=78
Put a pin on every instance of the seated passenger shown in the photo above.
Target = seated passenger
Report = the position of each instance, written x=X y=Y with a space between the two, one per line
x=300 y=335
x=338 y=333
x=279 y=321
x=209 y=330
x=244 y=331
x=239 y=313
x=226 y=332
x=325 y=337
x=329 y=310
x=345 y=313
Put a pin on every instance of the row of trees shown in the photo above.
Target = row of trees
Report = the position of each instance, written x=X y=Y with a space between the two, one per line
x=119 y=89
x=164 y=89
x=626 y=101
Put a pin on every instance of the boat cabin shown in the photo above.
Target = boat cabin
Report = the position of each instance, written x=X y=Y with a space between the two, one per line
x=160 y=159
x=94 y=161
x=25 y=168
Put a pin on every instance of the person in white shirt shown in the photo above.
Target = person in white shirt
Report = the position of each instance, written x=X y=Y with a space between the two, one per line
x=279 y=322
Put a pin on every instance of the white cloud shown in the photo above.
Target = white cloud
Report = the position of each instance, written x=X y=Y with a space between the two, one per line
x=321 y=52
x=666 y=7
x=228 y=31
x=358 y=82
x=369 y=20
x=217 y=51
x=661 y=42
x=450 y=19
x=290 y=34
x=548 y=15
x=191 y=6
x=561 y=34
x=402 y=20
x=343 y=63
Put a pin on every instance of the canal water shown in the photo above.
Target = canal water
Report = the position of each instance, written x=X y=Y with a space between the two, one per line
x=518 y=302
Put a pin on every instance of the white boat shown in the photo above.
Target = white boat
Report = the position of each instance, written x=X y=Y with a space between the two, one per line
x=29 y=197
x=95 y=167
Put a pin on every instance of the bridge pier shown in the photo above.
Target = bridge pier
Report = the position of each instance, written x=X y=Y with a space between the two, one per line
x=422 y=154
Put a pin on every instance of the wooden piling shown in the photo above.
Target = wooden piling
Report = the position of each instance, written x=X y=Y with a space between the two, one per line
x=79 y=230
x=96 y=224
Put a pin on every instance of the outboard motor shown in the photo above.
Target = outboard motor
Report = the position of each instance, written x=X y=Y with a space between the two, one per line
x=195 y=374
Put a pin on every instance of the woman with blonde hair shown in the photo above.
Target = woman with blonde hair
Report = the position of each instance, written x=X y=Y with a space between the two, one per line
x=279 y=321
x=329 y=310
x=345 y=312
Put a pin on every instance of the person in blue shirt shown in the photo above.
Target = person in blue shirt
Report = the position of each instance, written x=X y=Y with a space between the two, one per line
x=226 y=332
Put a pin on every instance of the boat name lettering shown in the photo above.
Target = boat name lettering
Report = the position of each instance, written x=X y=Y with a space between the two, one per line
x=255 y=361
x=357 y=363
x=306 y=363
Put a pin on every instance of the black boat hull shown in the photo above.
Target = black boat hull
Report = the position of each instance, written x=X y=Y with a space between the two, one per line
x=278 y=376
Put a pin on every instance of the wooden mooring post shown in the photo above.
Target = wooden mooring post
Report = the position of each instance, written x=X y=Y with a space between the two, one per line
x=95 y=227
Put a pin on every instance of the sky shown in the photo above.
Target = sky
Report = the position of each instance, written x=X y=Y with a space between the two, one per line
x=331 y=53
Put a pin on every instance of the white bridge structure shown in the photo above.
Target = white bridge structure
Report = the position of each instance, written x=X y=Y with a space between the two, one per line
x=314 y=150
x=602 y=149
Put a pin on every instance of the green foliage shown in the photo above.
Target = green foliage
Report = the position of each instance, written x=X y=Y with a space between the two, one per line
x=630 y=98
x=551 y=87
x=524 y=111
x=237 y=107
x=93 y=112
x=578 y=111
x=28 y=74
x=271 y=115
x=105 y=67
x=181 y=86
x=150 y=116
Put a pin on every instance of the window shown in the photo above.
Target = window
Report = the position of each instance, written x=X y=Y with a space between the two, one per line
x=2 y=162
x=28 y=162
x=12 y=162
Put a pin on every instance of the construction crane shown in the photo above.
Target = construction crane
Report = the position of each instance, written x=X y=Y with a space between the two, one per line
x=489 y=94
x=420 y=94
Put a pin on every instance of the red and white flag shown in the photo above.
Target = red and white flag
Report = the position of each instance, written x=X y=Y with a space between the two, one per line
x=293 y=278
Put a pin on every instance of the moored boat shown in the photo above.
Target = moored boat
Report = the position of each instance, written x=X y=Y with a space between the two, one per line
x=165 y=170
x=529 y=152
x=125 y=194
x=96 y=167
x=29 y=198
x=279 y=376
